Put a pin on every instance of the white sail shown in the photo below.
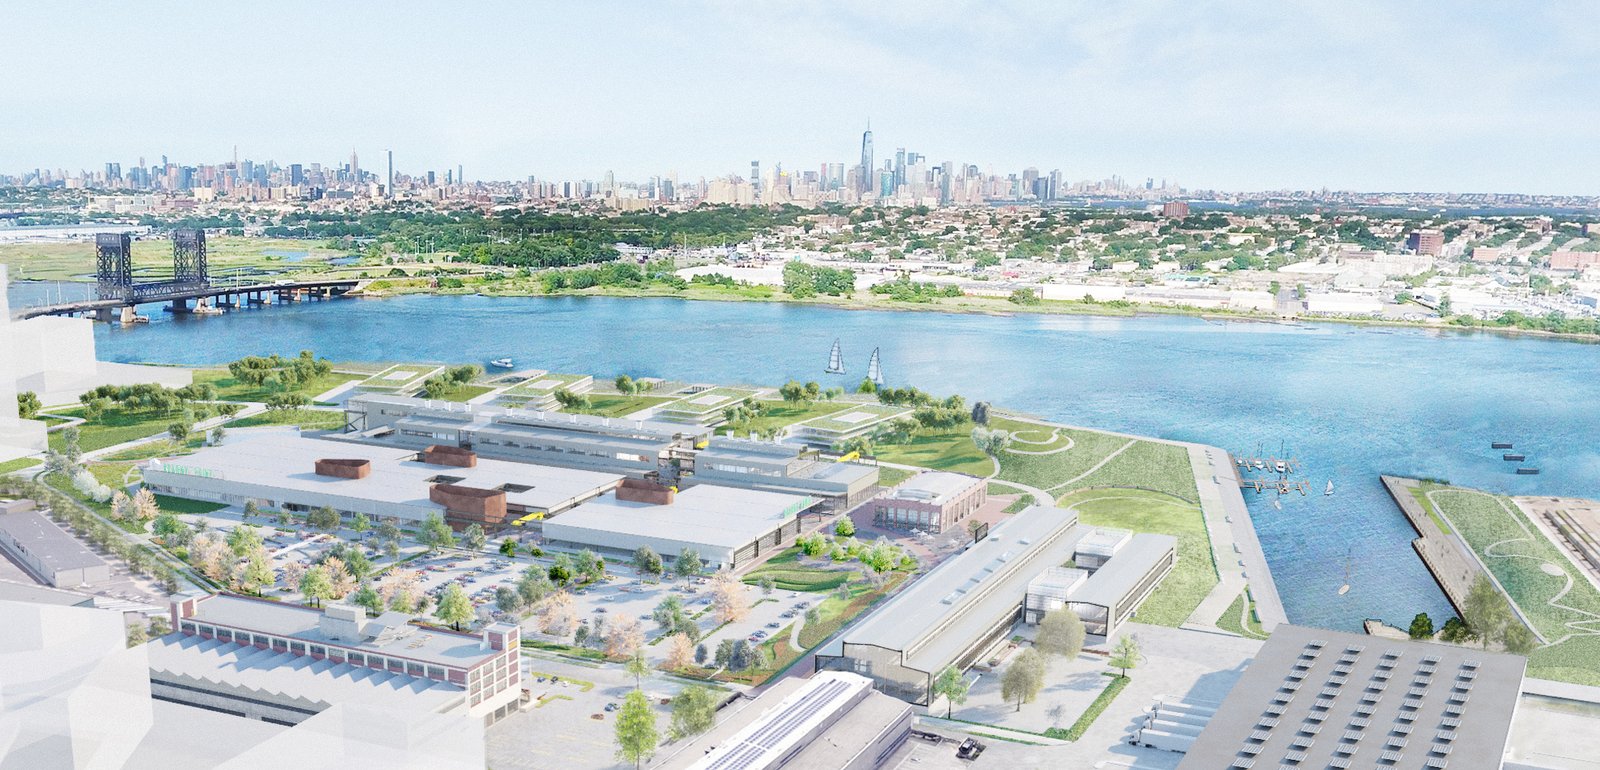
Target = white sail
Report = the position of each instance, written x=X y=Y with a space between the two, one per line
x=874 y=370
x=835 y=360
x=1329 y=491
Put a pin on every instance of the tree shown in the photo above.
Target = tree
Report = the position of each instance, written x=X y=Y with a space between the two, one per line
x=636 y=733
x=1455 y=631
x=533 y=586
x=436 y=534
x=256 y=573
x=473 y=537
x=557 y=616
x=647 y=561
x=167 y=526
x=359 y=524
x=251 y=509
x=867 y=386
x=953 y=686
x=179 y=431
x=340 y=581
x=455 y=607
x=145 y=507
x=680 y=651
x=315 y=585
x=69 y=445
x=507 y=600
x=1024 y=678
x=688 y=564
x=591 y=566
x=767 y=585
x=244 y=539
x=1126 y=655
x=561 y=572
x=844 y=527
x=28 y=405
x=1519 y=640
x=121 y=506
x=627 y=634
x=700 y=654
x=508 y=547
x=728 y=597
x=694 y=711
x=1486 y=612
x=368 y=598
x=624 y=384
x=136 y=635
x=980 y=413
x=637 y=666
x=1060 y=633
x=1421 y=626
x=324 y=518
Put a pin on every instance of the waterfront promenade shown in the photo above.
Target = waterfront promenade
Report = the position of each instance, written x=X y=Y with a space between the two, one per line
x=1234 y=544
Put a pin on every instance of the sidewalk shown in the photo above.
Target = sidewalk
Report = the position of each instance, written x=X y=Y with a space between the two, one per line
x=1238 y=553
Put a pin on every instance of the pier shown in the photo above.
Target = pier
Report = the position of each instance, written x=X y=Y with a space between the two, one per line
x=1442 y=553
x=1265 y=464
x=1283 y=486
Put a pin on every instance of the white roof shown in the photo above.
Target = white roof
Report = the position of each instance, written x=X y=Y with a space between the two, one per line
x=935 y=487
x=709 y=514
x=286 y=461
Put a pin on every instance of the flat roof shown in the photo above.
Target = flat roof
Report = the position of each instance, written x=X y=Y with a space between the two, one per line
x=935 y=487
x=1312 y=694
x=285 y=461
x=995 y=570
x=486 y=414
x=728 y=517
x=280 y=675
x=48 y=543
x=1110 y=584
x=428 y=645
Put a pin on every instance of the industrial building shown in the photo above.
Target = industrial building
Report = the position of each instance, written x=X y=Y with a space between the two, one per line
x=631 y=447
x=1116 y=571
x=855 y=421
x=727 y=526
x=285 y=470
x=832 y=721
x=965 y=607
x=284 y=663
x=782 y=467
x=47 y=551
x=931 y=501
x=1330 y=699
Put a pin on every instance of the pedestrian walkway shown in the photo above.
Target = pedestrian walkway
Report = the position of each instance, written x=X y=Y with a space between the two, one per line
x=1234 y=544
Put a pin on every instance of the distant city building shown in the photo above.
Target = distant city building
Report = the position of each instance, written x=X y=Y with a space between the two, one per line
x=1331 y=699
x=1430 y=242
x=867 y=175
x=1175 y=209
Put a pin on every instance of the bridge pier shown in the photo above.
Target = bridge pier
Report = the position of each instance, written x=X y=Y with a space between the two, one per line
x=179 y=306
x=103 y=315
x=129 y=313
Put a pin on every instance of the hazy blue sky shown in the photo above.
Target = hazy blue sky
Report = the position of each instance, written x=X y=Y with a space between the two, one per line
x=1339 y=93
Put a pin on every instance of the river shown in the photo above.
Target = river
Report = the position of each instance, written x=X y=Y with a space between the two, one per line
x=1349 y=402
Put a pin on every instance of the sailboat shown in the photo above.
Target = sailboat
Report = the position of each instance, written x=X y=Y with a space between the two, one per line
x=1329 y=490
x=835 y=360
x=1344 y=589
x=874 y=370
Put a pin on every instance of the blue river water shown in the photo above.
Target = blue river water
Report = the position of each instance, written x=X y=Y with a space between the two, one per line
x=1350 y=403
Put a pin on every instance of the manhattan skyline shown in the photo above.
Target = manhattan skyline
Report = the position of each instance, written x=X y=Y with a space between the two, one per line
x=1224 y=98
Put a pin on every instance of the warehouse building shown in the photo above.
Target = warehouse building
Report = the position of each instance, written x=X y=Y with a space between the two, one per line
x=931 y=501
x=789 y=468
x=1330 y=699
x=284 y=663
x=1116 y=571
x=728 y=527
x=284 y=470
x=44 y=549
x=832 y=721
x=632 y=447
x=967 y=606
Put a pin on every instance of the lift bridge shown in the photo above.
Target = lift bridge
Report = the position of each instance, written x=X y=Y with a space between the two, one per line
x=114 y=268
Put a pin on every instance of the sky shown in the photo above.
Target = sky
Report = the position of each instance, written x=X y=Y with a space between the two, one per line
x=1346 y=94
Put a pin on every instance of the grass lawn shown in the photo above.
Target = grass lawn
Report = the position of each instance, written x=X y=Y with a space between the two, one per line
x=781 y=414
x=1420 y=493
x=1230 y=620
x=789 y=575
x=230 y=389
x=1046 y=471
x=307 y=419
x=833 y=612
x=21 y=463
x=1484 y=520
x=889 y=477
x=185 y=505
x=620 y=405
x=1101 y=701
x=114 y=427
x=152 y=257
x=1024 y=433
x=1195 y=573
x=950 y=450
x=1147 y=464
x=163 y=448
x=464 y=393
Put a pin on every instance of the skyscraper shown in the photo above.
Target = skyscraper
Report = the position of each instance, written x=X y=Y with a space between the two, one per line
x=899 y=167
x=355 y=167
x=867 y=175
x=755 y=176
x=390 y=188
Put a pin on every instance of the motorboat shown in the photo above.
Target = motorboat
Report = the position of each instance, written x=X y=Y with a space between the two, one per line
x=501 y=363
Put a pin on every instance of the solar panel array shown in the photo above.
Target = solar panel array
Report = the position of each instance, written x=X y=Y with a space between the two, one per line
x=755 y=749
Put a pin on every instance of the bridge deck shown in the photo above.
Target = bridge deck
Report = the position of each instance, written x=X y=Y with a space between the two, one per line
x=171 y=291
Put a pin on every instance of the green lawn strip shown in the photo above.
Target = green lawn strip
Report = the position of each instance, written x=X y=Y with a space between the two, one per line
x=230 y=389
x=889 y=477
x=1229 y=621
x=1574 y=660
x=1192 y=579
x=114 y=427
x=1481 y=522
x=564 y=649
x=1148 y=465
x=583 y=686
x=1101 y=702
x=1019 y=504
x=1006 y=738
x=462 y=394
x=1031 y=432
x=619 y=405
x=833 y=613
x=1421 y=494
x=950 y=450
x=161 y=448
x=548 y=697
x=12 y=466
x=184 y=505
x=306 y=419
x=781 y=414
x=1045 y=471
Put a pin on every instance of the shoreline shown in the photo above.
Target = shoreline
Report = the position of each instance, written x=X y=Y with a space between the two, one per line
x=1045 y=308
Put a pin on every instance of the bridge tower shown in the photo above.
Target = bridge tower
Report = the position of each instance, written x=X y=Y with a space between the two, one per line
x=113 y=265
x=189 y=257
